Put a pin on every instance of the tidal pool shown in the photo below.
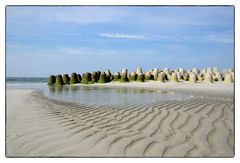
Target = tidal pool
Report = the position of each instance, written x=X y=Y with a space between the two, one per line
x=95 y=95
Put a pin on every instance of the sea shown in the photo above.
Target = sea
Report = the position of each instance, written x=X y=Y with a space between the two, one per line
x=22 y=80
x=93 y=95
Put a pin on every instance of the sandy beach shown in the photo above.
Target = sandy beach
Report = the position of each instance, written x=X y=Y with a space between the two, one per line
x=201 y=126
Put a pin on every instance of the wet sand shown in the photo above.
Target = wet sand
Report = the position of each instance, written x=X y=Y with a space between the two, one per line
x=201 y=126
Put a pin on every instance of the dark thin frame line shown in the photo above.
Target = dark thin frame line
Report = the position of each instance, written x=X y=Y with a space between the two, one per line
x=113 y=6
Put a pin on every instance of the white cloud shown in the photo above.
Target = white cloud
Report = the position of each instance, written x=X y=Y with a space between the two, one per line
x=206 y=37
x=122 y=36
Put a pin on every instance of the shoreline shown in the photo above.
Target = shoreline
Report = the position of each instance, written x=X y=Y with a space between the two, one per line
x=198 y=127
x=152 y=85
x=149 y=85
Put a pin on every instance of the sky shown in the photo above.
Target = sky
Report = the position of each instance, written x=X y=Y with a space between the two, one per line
x=41 y=41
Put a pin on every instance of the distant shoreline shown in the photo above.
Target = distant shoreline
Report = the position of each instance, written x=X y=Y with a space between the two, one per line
x=183 y=85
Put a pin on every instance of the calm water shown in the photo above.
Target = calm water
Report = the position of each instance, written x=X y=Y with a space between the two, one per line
x=21 y=80
x=100 y=95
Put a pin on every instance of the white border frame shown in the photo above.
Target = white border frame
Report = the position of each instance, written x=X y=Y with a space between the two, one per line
x=3 y=3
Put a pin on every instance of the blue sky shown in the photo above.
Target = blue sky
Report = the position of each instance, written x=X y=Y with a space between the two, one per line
x=56 y=40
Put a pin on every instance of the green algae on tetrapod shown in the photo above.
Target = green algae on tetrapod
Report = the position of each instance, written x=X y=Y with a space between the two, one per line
x=102 y=78
x=73 y=79
x=94 y=77
x=116 y=76
x=98 y=75
x=51 y=80
x=66 y=79
x=87 y=79
x=79 y=77
x=133 y=76
x=59 y=80
x=124 y=78
x=148 y=76
x=140 y=77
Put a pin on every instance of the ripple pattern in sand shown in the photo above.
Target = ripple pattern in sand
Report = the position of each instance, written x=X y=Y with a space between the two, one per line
x=201 y=126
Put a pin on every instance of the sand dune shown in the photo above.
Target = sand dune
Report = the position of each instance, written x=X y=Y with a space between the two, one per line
x=201 y=126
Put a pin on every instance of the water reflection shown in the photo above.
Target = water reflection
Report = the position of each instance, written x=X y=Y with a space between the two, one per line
x=73 y=88
x=65 y=89
x=109 y=96
x=51 y=89
x=93 y=95
x=59 y=89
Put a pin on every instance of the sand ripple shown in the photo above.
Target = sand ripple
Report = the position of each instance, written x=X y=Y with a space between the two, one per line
x=195 y=127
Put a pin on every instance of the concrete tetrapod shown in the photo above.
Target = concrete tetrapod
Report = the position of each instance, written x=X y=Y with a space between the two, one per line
x=228 y=78
x=140 y=77
x=193 y=78
x=218 y=76
x=160 y=77
x=51 y=80
x=133 y=76
x=209 y=70
x=59 y=80
x=116 y=76
x=79 y=77
x=124 y=78
x=66 y=79
x=208 y=78
x=179 y=76
x=186 y=76
x=108 y=75
x=174 y=77
x=124 y=71
x=148 y=76
x=102 y=78
x=139 y=70
x=155 y=73
x=232 y=73
x=87 y=79
x=94 y=77
x=73 y=79
x=196 y=71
